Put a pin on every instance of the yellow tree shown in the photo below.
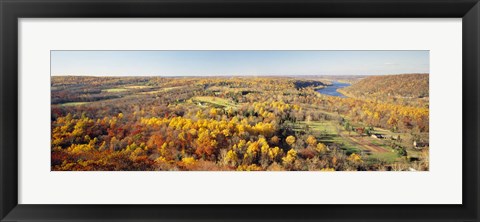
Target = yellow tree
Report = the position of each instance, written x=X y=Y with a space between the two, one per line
x=321 y=148
x=231 y=158
x=289 y=158
x=311 y=141
x=213 y=112
x=290 y=140
x=205 y=146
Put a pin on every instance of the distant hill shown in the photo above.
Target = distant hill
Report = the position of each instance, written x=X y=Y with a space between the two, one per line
x=406 y=89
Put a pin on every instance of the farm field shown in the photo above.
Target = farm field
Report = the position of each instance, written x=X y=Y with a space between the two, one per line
x=238 y=123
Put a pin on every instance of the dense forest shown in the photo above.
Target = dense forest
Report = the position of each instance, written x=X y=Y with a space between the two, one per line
x=239 y=123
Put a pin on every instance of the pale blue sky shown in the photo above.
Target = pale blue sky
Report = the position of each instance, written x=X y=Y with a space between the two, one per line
x=225 y=63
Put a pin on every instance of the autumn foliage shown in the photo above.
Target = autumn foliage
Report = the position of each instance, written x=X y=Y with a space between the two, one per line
x=242 y=124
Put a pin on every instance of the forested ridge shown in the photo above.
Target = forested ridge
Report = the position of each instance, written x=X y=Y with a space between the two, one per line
x=405 y=89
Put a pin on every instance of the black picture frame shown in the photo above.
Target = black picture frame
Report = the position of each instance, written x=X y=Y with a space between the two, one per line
x=11 y=11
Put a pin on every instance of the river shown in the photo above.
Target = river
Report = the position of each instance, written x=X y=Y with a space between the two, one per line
x=332 y=89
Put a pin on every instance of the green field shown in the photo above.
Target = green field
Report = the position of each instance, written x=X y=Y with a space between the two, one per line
x=162 y=90
x=74 y=103
x=114 y=90
x=137 y=87
x=387 y=157
x=217 y=102
x=327 y=132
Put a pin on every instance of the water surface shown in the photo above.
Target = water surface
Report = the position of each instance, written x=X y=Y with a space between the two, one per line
x=332 y=89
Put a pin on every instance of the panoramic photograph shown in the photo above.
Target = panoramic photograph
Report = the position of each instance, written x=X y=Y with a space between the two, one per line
x=240 y=110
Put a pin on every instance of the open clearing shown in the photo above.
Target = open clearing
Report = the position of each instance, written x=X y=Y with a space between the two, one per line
x=162 y=90
x=74 y=103
x=113 y=90
x=138 y=87
x=388 y=157
x=330 y=133
x=366 y=144
x=214 y=101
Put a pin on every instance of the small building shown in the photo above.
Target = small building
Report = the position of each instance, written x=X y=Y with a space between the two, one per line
x=420 y=145
x=377 y=136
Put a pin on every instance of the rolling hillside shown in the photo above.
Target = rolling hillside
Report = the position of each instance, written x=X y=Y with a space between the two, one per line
x=405 y=89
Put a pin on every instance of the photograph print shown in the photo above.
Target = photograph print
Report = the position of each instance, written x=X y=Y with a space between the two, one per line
x=240 y=110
